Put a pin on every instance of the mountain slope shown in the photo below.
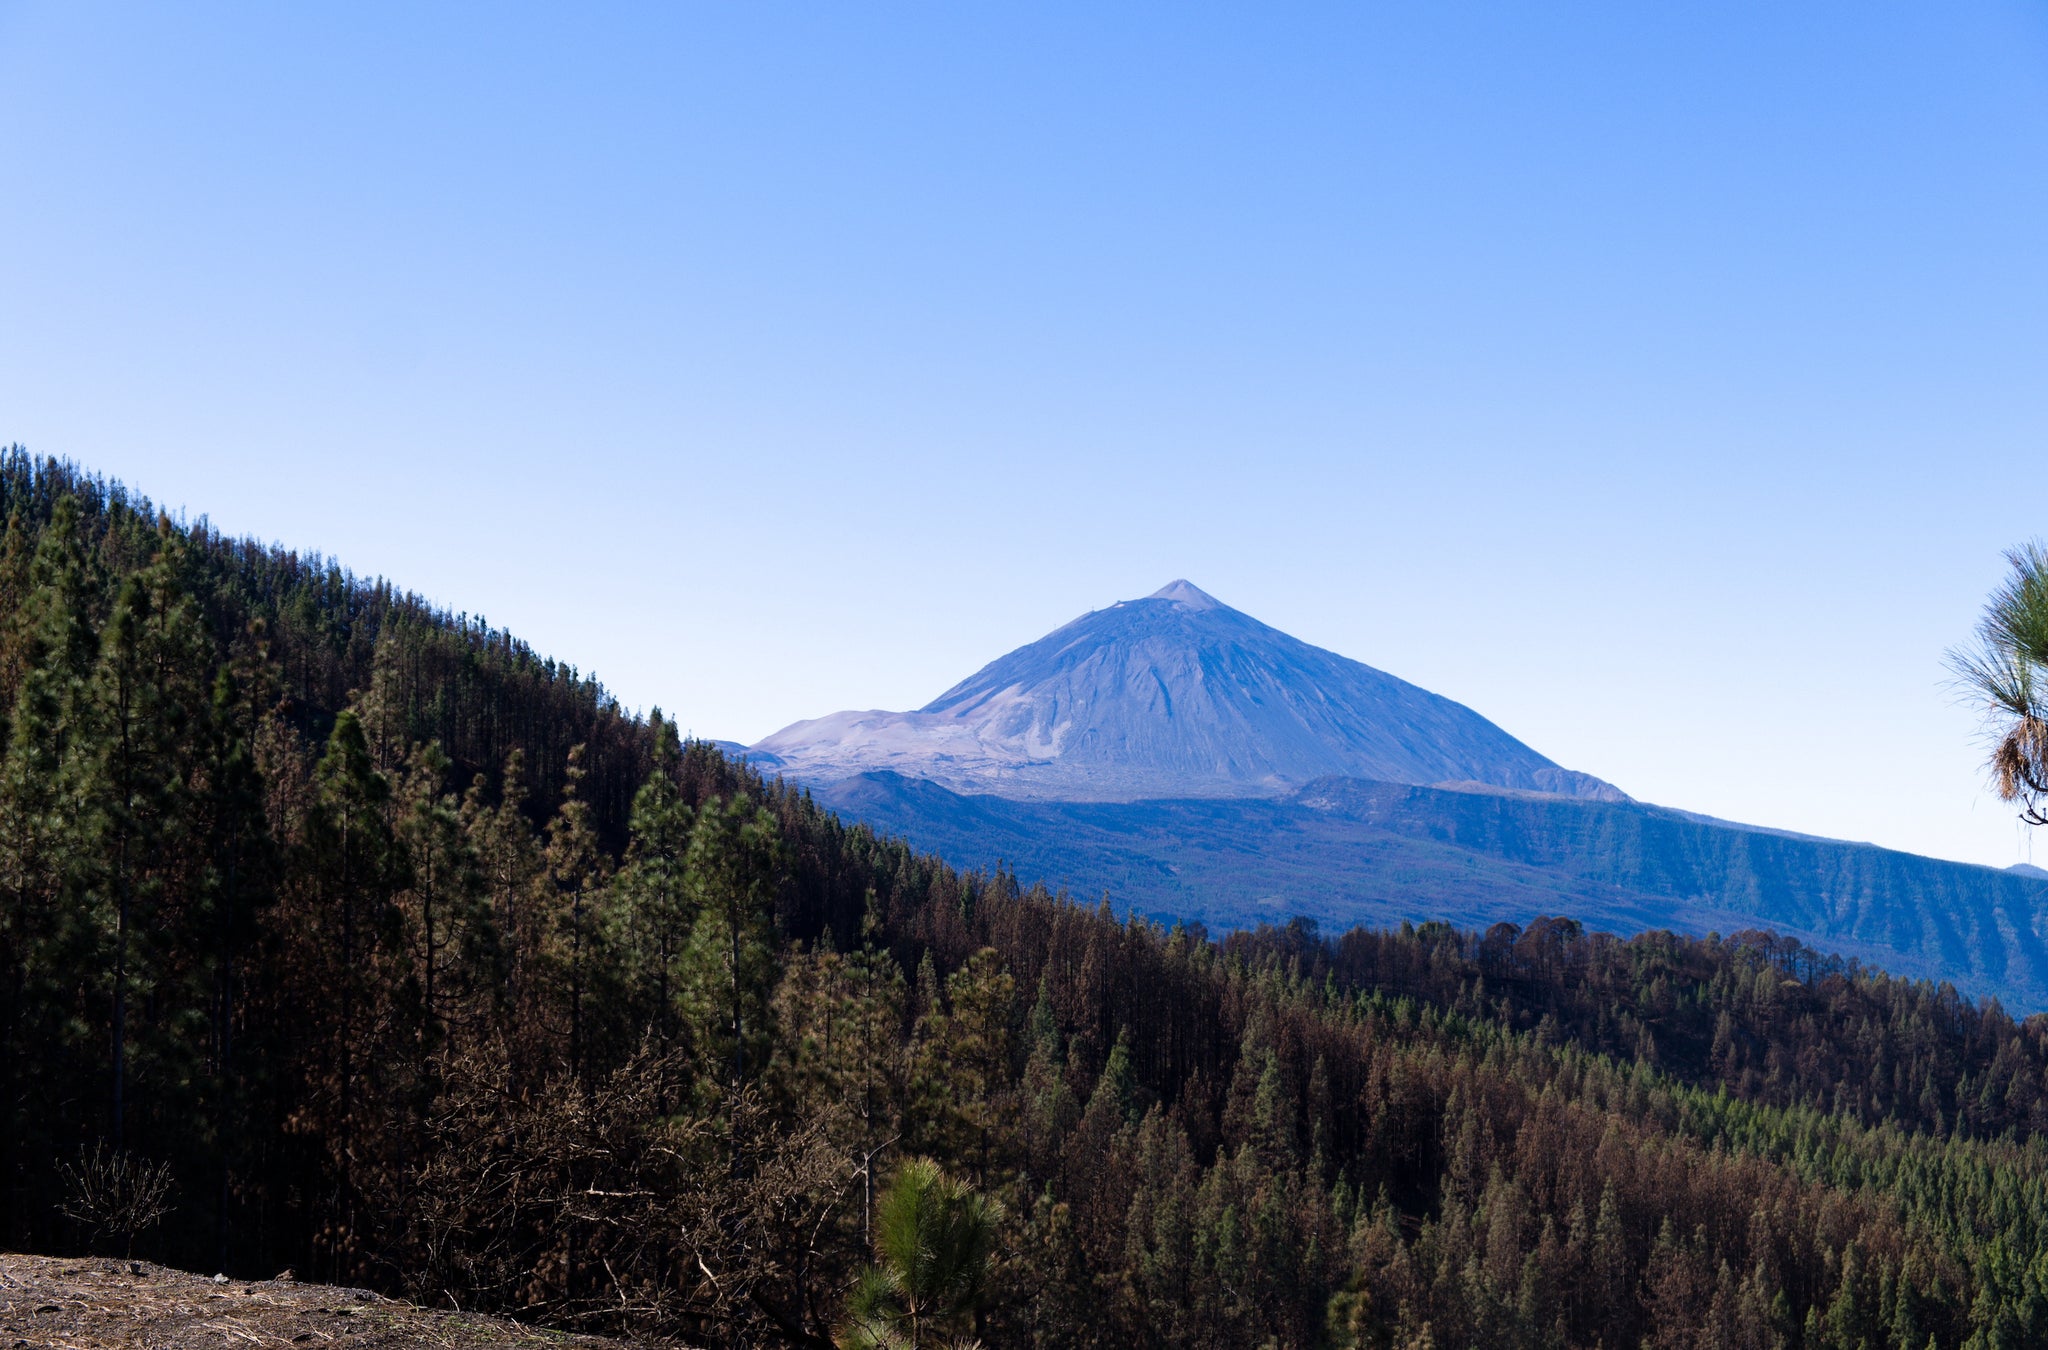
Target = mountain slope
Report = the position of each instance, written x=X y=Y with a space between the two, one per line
x=1345 y=852
x=1196 y=763
x=1173 y=695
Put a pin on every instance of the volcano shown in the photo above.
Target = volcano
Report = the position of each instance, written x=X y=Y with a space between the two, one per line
x=1175 y=695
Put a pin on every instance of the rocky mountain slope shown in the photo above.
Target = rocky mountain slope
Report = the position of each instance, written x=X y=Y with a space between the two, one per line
x=1173 y=695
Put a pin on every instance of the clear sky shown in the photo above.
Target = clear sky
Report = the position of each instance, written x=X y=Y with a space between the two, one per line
x=1661 y=380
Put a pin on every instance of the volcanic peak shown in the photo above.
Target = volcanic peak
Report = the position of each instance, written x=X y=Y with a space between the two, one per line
x=1185 y=592
x=1172 y=695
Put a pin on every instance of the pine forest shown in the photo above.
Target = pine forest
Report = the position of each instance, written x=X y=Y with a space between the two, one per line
x=345 y=934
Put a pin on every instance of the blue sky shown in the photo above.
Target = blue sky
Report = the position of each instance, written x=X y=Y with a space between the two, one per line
x=1662 y=381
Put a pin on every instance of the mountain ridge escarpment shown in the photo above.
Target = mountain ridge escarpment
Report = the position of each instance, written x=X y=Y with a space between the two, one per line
x=1345 y=851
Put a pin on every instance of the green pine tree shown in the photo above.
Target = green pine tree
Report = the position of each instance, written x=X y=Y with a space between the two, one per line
x=935 y=1241
x=577 y=867
x=351 y=862
x=133 y=737
x=649 y=904
x=732 y=866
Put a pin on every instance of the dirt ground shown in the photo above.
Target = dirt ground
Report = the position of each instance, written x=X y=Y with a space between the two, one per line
x=95 y=1304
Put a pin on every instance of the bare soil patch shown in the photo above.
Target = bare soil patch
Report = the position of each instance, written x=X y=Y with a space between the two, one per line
x=49 y=1303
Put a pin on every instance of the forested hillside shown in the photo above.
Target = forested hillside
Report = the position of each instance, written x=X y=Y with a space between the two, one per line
x=403 y=956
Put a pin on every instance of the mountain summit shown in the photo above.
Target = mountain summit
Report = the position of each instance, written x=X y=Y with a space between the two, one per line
x=1174 y=695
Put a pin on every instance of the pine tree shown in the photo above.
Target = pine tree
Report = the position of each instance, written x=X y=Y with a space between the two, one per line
x=1613 y=1272
x=983 y=999
x=576 y=867
x=353 y=869
x=841 y=1019
x=934 y=1241
x=16 y=550
x=239 y=872
x=447 y=925
x=649 y=903
x=44 y=940
x=136 y=731
x=733 y=863
x=514 y=874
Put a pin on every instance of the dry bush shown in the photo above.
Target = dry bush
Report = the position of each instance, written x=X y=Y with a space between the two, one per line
x=605 y=1208
x=113 y=1193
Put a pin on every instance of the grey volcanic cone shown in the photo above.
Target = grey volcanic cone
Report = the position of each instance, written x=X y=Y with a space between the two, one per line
x=1174 y=695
